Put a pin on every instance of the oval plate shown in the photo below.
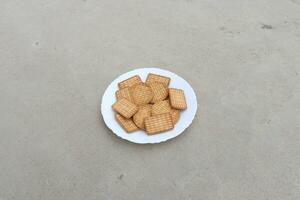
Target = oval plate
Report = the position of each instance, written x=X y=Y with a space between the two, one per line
x=140 y=137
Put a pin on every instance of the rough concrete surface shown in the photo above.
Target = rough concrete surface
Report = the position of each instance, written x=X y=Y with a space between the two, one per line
x=242 y=58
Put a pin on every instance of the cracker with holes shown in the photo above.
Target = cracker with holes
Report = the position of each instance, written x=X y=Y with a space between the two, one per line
x=141 y=94
x=143 y=112
x=161 y=107
x=158 y=78
x=125 y=108
x=130 y=82
x=160 y=92
x=127 y=124
x=177 y=99
x=124 y=93
x=158 y=123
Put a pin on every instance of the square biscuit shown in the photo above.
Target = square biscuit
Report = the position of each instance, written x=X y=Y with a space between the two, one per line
x=124 y=93
x=160 y=92
x=125 y=108
x=158 y=78
x=141 y=94
x=159 y=123
x=130 y=82
x=139 y=117
x=127 y=124
x=177 y=99
x=161 y=107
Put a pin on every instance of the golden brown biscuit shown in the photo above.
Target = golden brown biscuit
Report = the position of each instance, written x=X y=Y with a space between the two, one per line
x=158 y=78
x=130 y=82
x=124 y=93
x=161 y=107
x=139 y=117
x=159 y=123
x=141 y=94
x=177 y=99
x=127 y=124
x=160 y=92
x=125 y=108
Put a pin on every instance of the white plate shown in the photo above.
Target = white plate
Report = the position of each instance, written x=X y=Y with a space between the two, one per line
x=186 y=116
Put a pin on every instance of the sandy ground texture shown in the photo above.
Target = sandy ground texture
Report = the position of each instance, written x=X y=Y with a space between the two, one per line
x=242 y=58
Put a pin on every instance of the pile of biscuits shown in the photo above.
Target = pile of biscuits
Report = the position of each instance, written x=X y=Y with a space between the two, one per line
x=151 y=106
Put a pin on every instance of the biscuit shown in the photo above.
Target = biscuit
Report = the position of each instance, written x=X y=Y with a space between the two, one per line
x=158 y=78
x=127 y=124
x=130 y=82
x=160 y=92
x=141 y=94
x=161 y=107
x=125 y=108
x=139 y=117
x=124 y=93
x=159 y=123
x=177 y=99
x=175 y=115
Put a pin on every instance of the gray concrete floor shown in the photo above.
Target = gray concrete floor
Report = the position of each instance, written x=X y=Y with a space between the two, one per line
x=241 y=57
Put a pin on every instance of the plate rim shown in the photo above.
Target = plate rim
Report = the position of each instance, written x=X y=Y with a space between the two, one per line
x=148 y=142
